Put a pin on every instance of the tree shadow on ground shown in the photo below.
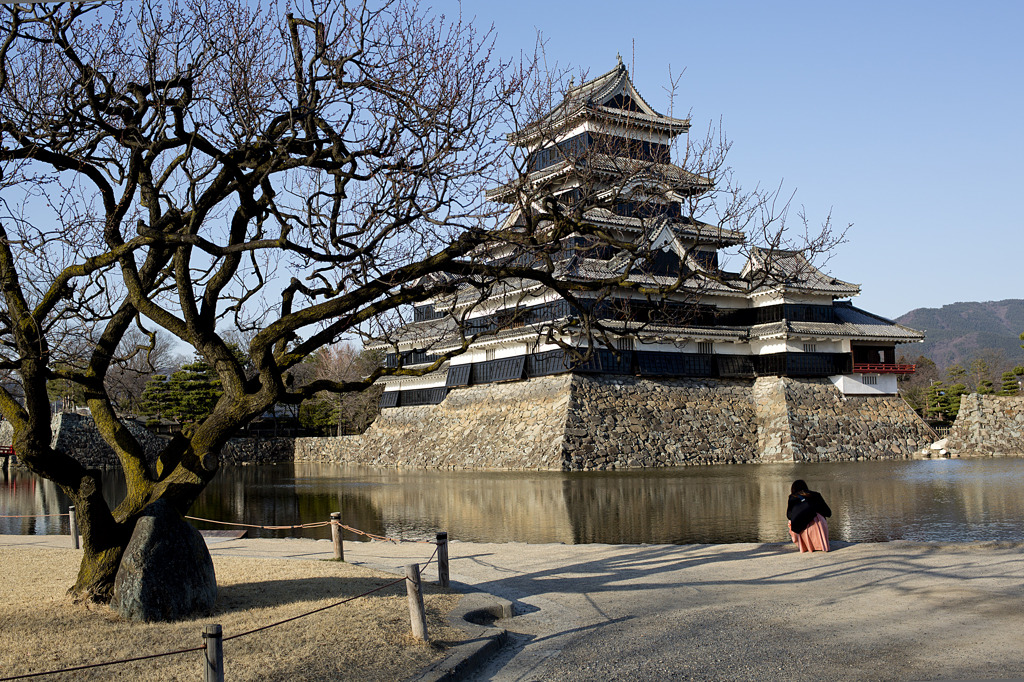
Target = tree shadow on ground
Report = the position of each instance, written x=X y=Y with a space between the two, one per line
x=270 y=593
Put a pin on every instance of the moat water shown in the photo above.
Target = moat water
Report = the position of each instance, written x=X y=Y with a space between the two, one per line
x=930 y=500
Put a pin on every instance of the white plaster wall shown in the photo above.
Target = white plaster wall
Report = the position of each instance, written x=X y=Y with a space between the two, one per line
x=729 y=302
x=767 y=347
x=797 y=346
x=852 y=384
x=730 y=348
x=765 y=300
x=659 y=347
x=774 y=298
x=419 y=382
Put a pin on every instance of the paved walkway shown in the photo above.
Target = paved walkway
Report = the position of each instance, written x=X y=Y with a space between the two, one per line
x=888 y=611
x=744 y=611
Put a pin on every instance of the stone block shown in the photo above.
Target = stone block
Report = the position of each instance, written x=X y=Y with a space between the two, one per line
x=166 y=572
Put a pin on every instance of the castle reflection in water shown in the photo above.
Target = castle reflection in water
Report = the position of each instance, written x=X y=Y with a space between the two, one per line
x=944 y=500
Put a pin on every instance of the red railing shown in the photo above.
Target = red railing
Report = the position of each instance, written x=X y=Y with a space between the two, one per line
x=882 y=368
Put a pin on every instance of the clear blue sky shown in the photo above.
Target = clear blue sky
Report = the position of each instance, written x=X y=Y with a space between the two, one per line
x=904 y=118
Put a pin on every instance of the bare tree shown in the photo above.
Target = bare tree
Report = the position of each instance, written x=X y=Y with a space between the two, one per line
x=350 y=412
x=138 y=357
x=181 y=165
x=301 y=176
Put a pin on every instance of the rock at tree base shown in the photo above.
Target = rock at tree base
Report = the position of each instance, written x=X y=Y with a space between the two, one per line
x=166 y=572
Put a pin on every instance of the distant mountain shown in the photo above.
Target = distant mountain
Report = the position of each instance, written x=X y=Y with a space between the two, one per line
x=958 y=332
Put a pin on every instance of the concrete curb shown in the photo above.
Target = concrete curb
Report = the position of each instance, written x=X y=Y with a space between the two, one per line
x=482 y=641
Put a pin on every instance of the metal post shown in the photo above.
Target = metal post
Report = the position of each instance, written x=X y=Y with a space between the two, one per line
x=339 y=546
x=73 y=527
x=213 y=662
x=442 y=559
x=417 y=615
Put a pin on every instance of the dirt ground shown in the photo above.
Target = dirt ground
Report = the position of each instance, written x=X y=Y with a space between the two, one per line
x=366 y=639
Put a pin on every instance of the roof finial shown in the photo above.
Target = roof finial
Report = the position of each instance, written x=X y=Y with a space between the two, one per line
x=618 y=56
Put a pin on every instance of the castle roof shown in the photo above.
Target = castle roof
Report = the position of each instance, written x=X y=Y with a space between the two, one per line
x=611 y=96
x=791 y=271
x=667 y=176
x=851 y=322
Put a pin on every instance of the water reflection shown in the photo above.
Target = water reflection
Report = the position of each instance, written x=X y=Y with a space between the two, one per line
x=945 y=500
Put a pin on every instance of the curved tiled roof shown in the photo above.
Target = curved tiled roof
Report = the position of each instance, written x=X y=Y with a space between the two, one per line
x=791 y=271
x=620 y=168
x=588 y=100
x=852 y=323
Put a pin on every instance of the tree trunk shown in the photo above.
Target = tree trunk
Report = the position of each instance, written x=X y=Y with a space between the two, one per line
x=106 y=535
x=96 y=574
x=103 y=541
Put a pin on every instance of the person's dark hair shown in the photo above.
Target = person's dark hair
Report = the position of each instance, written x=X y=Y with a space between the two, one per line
x=798 y=487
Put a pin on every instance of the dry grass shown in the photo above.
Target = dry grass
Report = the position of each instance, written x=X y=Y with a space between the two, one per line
x=366 y=639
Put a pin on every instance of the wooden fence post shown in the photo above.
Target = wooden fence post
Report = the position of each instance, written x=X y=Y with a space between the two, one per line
x=442 y=559
x=417 y=615
x=73 y=527
x=213 y=662
x=339 y=547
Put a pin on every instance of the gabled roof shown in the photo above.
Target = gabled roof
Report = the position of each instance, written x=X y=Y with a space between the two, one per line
x=598 y=97
x=791 y=271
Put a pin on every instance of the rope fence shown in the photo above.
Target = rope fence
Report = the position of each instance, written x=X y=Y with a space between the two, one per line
x=316 y=524
x=213 y=639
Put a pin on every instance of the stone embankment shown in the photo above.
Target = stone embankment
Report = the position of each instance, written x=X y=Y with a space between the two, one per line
x=588 y=423
x=988 y=425
x=515 y=425
x=585 y=423
x=77 y=435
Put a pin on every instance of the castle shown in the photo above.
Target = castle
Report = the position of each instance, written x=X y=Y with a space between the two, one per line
x=768 y=363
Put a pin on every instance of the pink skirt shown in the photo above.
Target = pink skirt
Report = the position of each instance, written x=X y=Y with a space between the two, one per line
x=814 y=537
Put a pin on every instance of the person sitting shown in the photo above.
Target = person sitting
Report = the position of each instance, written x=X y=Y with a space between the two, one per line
x=807 y=512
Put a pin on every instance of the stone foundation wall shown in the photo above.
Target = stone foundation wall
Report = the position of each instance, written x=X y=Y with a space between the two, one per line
x=258 y=451
x=590 y=423
x=988 y=425
x=825 y=425
x=774 y=430
x=586 y=423
x=631 y=422
x=514 y=425
x=78 y=436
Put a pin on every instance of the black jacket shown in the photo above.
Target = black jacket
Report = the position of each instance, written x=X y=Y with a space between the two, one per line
x=802 y=509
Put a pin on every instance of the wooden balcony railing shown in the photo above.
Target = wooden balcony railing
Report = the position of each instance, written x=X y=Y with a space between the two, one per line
x=882 y=368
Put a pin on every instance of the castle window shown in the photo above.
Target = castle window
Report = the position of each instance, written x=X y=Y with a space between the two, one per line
x=489 y=354
x=870 y=380
x=810 y=348
x=625 y=344
x=705 y=347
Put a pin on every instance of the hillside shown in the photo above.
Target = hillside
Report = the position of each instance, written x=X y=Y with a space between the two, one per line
x=957 y=332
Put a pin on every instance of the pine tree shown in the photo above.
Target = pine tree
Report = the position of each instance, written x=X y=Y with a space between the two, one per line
x=156 y=397
x=194 y=389
x=953 y=400
x=935 y=402
x=1010 y=385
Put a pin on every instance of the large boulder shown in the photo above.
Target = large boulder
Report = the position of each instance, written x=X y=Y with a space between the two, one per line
x=166 y=572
